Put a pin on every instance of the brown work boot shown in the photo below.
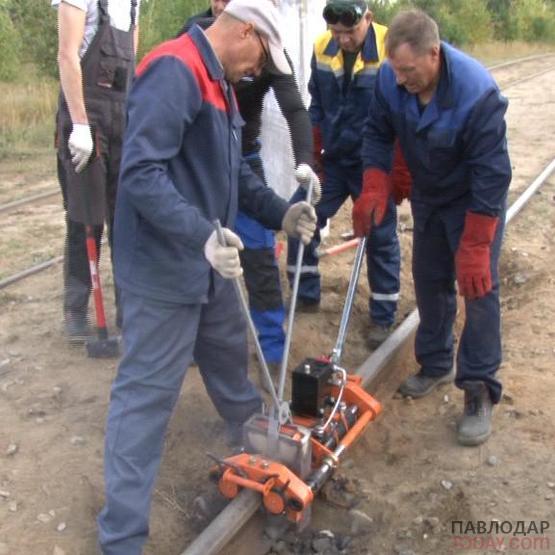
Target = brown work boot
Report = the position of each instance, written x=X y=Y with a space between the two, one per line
x=474 y=427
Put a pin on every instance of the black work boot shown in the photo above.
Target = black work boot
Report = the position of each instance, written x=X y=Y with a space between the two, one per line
x=377 y=334
x=233 y=435
x=77 y=328
x=308 y=306
x=420 y=385
x=475 y=425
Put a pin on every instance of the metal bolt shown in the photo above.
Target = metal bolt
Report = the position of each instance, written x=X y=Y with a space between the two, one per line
x=265 y=465
x=252 y=461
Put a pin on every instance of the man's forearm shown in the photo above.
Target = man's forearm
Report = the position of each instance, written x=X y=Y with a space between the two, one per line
x=136 y=39
x=71 y=79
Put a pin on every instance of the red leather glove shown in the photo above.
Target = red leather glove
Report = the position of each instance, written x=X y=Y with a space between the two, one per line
x=472 y=259
x=317 y=152
x=401 y=179
x=370 y=207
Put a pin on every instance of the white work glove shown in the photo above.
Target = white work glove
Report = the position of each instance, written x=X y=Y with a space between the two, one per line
x=299 y=222
x=80 y=145
x=224 y=259
x=305 y=175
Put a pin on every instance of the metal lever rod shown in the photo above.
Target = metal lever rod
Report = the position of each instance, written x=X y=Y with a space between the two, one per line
x=305 y=176
x=347 y=308
x=250 y=323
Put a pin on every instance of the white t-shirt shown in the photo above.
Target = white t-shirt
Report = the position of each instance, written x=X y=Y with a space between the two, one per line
x=118 y=10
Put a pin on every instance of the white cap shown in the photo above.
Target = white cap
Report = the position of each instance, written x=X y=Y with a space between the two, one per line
x=265 y=17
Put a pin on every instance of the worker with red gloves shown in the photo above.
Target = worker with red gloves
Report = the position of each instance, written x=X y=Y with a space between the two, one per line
x=344 y=64
x=448 y=114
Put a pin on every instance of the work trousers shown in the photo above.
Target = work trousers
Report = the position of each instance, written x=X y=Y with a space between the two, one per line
x=383 y=254
x=261 y=274
x=433 y=266
x=101 y=177
x=160 y=340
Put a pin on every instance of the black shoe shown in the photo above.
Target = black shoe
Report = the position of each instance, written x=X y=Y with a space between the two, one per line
x=420 y=385
x=475 y=425
x=308 y=306
x=77 y=329
x=234 y=435
x=377 y=335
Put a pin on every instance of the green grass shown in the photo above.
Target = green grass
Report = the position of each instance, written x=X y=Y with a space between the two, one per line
x=27 y=112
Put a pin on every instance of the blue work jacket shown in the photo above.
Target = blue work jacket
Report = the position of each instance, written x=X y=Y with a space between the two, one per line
x=455 y=147
x=181 y=169
x=341 y=115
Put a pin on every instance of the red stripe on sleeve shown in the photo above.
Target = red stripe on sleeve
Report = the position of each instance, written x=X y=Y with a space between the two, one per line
x=185 y=50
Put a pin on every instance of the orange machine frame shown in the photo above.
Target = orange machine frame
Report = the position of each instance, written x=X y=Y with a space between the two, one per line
x=283 y=492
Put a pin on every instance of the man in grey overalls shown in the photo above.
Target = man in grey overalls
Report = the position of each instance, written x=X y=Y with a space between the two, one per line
x=97 y=44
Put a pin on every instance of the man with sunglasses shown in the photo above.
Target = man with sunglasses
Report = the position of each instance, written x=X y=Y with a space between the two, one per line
x=258 y=259
x=181 y=170
x=344 y=66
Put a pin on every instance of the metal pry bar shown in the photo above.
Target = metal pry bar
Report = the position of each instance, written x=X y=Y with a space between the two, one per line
x=308 y=180
x=345 y=317
x=245 y=310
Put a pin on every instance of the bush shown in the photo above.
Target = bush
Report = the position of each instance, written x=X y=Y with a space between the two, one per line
x=9 y=46
x=162 y=20
x=36 y=23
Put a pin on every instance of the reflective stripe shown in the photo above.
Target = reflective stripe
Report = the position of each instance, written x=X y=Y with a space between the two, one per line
x=304 y=269
x=385 y=296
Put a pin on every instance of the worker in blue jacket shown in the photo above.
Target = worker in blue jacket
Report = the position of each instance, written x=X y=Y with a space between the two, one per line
x=344 y=64
x=258 y=258
x=181 y=170
x=449 y=115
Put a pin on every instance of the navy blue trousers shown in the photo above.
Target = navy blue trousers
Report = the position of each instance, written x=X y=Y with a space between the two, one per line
x=383 y=254
x=160 y=341
x=261 y=274
x=433 y=266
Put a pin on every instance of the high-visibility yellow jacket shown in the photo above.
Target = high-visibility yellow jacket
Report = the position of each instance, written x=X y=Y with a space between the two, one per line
x=341 y=114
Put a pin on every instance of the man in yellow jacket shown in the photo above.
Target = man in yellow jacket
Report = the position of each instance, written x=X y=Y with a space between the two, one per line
x=344 y=65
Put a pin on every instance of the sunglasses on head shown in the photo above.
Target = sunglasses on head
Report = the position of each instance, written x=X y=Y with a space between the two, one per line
x=347 y=15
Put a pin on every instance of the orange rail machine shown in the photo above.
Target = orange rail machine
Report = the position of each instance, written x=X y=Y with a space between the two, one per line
x=290 y=453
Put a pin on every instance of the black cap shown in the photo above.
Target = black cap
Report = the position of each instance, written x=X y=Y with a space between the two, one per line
x=361 y=3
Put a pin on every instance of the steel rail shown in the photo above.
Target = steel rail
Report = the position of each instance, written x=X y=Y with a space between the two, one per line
x=520 y=60
x=30 y=271
x=528 y=78
x=27 y=200
x=226 y=526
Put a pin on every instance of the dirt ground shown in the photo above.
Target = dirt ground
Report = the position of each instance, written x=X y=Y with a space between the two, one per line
x=408 y=475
